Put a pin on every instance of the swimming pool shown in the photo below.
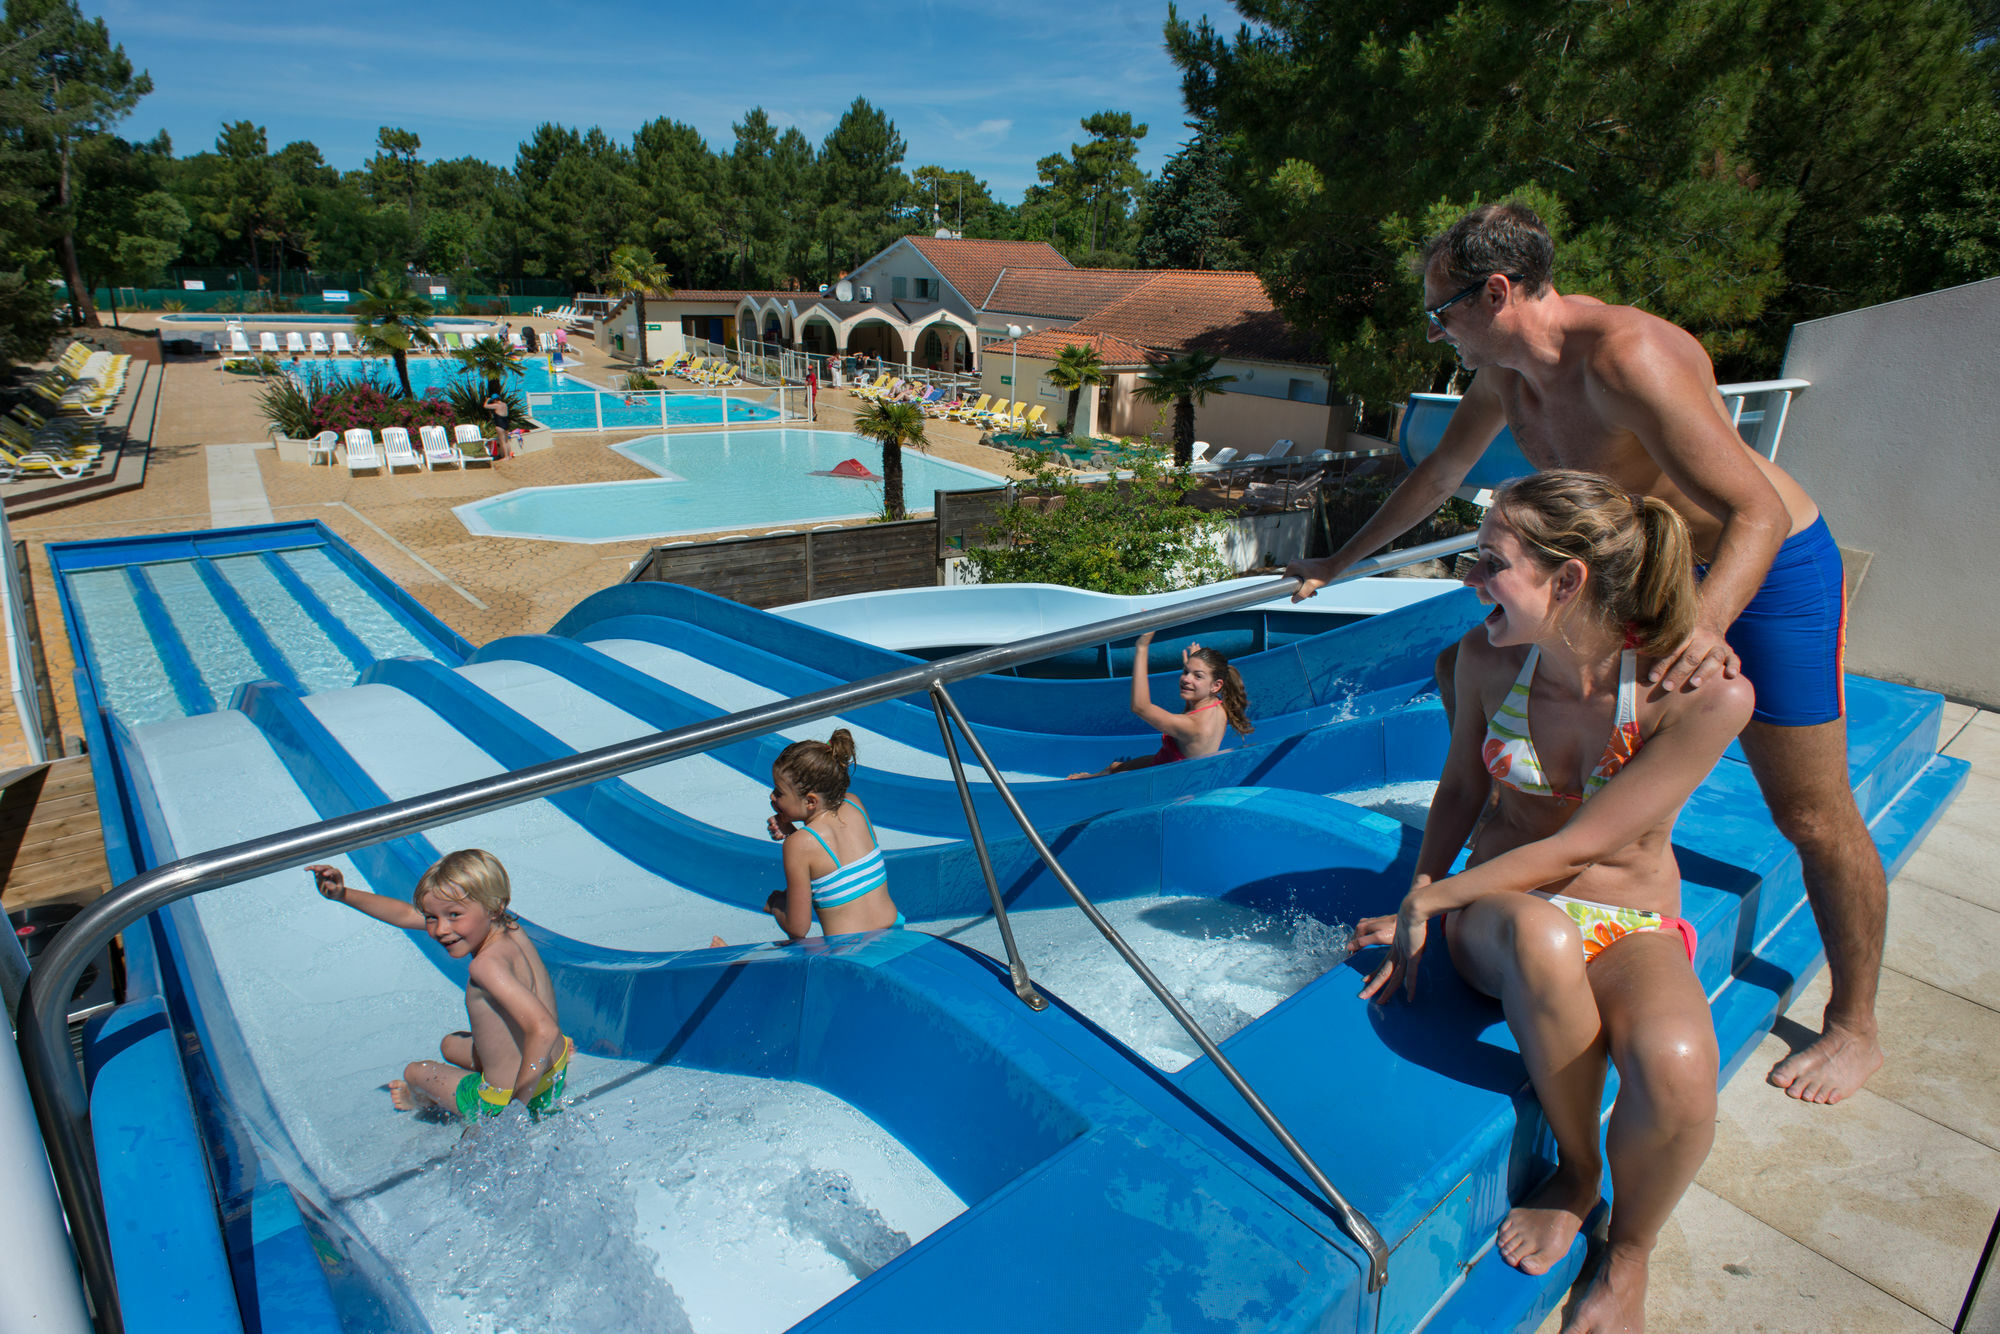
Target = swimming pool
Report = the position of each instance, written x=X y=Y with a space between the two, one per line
x=564 y=403
x=712 y=480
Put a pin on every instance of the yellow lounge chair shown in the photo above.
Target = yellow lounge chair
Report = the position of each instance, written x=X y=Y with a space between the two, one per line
x=21 y=440
x=965 y=413
x=1033 y=421
x=41 y=464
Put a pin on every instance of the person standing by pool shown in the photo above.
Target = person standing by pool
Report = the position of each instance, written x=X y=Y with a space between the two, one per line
x=497 y=408
x=1621 y=392
x=812 y=391
x=1568 y=908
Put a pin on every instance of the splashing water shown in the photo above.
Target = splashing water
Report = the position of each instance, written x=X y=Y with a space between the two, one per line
x=1226 y=963
x=1409 y=802
x=672 y=1200
x=823 y=1206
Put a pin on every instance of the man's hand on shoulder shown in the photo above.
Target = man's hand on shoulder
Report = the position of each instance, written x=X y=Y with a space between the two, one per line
x=1702 y=657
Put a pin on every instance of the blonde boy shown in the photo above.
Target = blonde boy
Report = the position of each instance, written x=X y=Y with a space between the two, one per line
x=461 y=903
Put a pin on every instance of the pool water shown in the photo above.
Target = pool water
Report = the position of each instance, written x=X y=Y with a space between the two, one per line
x=673 y=1200
x=711 y=480
x=142 y=621
x=1226 y=962
x=565 y=403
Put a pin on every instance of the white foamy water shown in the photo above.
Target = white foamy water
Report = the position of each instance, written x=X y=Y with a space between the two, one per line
x=674 y=1200
x=1226 y=963
x=1409 y=802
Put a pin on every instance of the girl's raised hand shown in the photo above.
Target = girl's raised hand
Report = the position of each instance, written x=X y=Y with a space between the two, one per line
x=329 y=882
x=1143 y=641
x=780 y=828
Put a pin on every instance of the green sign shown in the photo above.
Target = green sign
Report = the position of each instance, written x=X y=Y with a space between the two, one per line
x=652 y=328
x=1006 y=379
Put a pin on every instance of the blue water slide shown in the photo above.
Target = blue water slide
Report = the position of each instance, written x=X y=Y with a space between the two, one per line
x=1423 y=427
x=1328 y=669
x=1389 y=746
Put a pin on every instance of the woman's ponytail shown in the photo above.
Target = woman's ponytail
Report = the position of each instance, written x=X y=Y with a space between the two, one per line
x=1664 y=596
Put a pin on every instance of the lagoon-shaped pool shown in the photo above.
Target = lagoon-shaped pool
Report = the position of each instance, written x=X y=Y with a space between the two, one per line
x=712 y=480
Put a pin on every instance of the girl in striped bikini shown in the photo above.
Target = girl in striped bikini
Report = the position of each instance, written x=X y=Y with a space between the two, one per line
x=833 y=863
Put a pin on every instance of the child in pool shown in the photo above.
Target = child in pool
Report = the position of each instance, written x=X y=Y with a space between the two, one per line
x=833 y=863
x=1212 y=697
x=510 y=1004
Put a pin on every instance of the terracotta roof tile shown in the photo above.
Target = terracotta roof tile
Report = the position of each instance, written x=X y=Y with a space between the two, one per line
x=1226 y=313
x=1049 y=343
x=723 y=294
x=1061 y=294
x=971 y=266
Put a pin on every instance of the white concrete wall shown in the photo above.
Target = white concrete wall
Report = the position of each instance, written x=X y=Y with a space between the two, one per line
x=1898 y=440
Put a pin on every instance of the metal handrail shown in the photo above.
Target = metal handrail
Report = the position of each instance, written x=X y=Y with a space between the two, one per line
x=1353 y=1220
x=61 y=1104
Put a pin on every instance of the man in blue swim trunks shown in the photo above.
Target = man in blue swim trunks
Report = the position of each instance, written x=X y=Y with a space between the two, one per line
x=1613 y=390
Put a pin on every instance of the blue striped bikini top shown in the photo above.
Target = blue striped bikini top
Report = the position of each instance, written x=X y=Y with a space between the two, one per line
x=844 y=884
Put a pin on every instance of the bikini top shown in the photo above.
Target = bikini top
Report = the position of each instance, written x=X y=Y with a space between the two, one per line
x=1170 y=748
x=844 y=884
x=1509 y=751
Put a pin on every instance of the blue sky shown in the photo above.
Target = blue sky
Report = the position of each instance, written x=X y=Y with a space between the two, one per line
x=985 y=87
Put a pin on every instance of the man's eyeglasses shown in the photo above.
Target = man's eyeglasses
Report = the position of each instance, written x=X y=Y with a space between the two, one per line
x=1435 y=313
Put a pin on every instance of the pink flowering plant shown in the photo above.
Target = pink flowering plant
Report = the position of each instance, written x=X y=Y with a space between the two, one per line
x=301 y=406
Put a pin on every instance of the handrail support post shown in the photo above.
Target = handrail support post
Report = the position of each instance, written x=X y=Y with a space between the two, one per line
x=1024 y=986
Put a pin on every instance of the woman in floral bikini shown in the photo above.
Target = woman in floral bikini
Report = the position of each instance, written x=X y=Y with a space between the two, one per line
x=1567 y=907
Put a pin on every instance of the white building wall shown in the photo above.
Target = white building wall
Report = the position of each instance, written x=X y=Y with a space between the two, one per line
x=1898 y=440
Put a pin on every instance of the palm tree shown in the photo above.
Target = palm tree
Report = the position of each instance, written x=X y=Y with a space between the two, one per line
x=390 y=318
x=1183 y=382
x=491 y=360
x=1076 y=366
x=894 y=425
x=636 y=272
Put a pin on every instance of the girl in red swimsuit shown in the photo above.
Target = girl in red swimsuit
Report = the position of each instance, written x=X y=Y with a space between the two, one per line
x=1212 y=700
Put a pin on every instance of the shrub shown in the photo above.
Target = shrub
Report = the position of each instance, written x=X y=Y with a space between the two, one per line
x=299 y=406
x=1131 y=536
x=173 y=303
x=638 y=382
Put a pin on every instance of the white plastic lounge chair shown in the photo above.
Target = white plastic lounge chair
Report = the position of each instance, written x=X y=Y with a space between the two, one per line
x=396 y=449
x=1221 y=456
x=294 y=343
x=472 y=446
x=267 y=343
x=439 y=451
x=342 y=343
x=322 y=446
x=209 y=344
x=362 y=451
x=1202 y=450
x=238 y=344
x=515 y=341
x=317 y=340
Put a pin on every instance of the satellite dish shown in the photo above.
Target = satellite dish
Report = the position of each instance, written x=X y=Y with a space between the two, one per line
x=844 y=290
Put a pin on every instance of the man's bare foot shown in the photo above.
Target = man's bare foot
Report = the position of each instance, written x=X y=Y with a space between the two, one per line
x=1538 y=1232
x=1834 y=1067
x=1615 y=1302
x=403 y=1096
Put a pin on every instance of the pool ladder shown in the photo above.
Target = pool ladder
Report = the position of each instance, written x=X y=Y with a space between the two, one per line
x=56 y=1082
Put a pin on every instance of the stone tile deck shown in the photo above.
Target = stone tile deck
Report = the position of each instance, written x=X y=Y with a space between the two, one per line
x=1864 y=1217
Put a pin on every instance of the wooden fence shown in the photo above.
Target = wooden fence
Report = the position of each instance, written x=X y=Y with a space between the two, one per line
x=782 y=568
